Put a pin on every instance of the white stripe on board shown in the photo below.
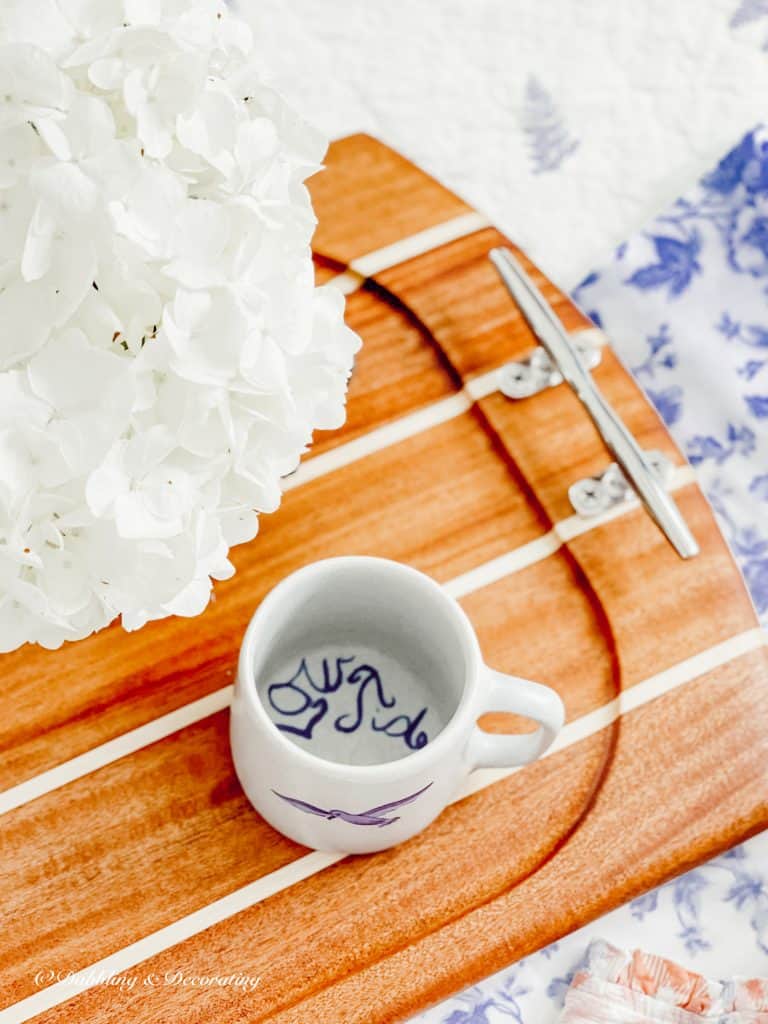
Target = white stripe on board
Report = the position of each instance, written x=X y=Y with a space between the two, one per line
x=383 y=437
x=347 y=283
x=389 y=256
x=142 y=736
x=127 y=743
x=418 y=244
x=124 y=960
x=484 y=385
x=495 y=570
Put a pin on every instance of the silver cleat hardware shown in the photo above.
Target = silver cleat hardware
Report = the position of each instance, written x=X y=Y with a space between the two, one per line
x=536 y=372
x=552 y=335
x=596 y=494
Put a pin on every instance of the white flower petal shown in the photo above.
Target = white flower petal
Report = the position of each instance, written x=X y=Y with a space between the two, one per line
x=201 y=234
x=211 y=130
x=135 y=518
x=25 y=322
x=107 y=482
x=148 y=212
x=31 y=85
x=87 y=128
x=36 y=258
x=72 y=375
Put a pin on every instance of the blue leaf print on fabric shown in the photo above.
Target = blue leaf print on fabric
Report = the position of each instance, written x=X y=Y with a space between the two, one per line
x=741 y=440
x=751 y=368
x=588 y=281
x=661 y=357
x=691 y=938
x=757 y=234
x=745 y=889
x=746 y=164
x=747 y=11
x=475 y=1015
x=705 y=447
x=730 y=171
x=477 y=1003
x=752 y=335
x=668 y=403
x=687 y=892
x=747 y=241
x=595 y=317
x=558 y=987
x=677 y=263
x=660 y=353
x=748 y=893
x=548 y=136
x=505 y=1001
x=686 y=899
x=509 y=1003
x=757 y=405
x=756 y=577
x=748 y=543
x=643 y=905
x=727 y=326
x=759 y=486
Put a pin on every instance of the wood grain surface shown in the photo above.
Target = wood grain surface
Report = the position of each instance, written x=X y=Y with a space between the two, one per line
x=664 y=760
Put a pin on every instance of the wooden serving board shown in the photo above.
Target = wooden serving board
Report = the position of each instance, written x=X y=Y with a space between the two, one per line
x=126 y=841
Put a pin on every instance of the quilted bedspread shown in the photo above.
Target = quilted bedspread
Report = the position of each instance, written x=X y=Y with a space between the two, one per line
x=569 y=124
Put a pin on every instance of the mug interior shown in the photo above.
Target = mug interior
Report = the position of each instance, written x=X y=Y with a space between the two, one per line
x=361 y=661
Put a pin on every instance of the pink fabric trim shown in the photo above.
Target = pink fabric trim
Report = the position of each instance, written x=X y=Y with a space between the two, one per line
x=618 y=987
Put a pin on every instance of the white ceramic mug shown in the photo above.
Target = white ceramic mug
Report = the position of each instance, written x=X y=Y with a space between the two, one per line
x=359 y=687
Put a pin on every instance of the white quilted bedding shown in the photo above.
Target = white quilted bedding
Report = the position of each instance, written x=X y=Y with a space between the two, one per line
x=569 y=123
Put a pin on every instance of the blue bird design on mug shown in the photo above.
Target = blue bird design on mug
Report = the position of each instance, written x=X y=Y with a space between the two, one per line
x=373 y=816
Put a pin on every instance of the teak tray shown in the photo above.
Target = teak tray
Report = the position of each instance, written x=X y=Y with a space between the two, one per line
x=126 y=841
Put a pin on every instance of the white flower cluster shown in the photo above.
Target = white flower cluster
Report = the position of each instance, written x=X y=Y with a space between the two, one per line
x=164 y=354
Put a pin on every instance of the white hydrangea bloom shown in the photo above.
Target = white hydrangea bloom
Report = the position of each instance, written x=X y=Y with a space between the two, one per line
x=164 y=354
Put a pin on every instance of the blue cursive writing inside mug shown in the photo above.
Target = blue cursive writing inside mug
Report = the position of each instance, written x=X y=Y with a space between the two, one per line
x=351 y=705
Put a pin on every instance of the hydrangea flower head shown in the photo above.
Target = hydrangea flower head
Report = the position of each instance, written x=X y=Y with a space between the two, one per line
x=164 y=354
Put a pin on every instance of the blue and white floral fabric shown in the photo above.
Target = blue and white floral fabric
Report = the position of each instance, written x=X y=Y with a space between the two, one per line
x=685 y=304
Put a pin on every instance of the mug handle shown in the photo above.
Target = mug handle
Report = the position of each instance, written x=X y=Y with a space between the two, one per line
x=521 y=697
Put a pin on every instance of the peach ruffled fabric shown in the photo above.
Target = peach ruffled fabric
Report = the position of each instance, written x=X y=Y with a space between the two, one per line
x=618 y=987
